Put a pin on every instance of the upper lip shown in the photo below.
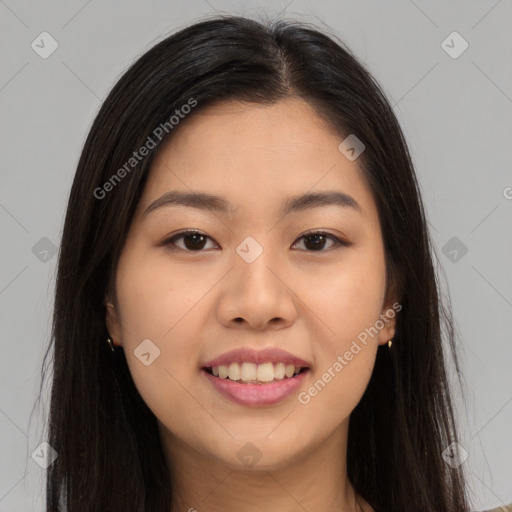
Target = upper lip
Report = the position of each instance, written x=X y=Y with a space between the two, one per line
x=249 y=355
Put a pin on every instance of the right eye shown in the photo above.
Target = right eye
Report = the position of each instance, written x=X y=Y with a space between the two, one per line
x=194 y=241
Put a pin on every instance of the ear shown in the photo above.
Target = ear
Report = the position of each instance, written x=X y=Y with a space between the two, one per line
x=112 y=321
x=388 y=317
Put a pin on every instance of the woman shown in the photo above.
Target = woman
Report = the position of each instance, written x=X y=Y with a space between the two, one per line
x=247 y=315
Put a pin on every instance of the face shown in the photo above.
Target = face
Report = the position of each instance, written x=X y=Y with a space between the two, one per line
x=263 y=272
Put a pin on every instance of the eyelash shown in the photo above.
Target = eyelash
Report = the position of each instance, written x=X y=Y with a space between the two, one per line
x=171 y=241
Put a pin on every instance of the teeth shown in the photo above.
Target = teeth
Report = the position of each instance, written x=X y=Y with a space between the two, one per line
x=234 y=371
x=223 y=372
x=265 y=372
x=279 y=371
x=251 y=372
x=289 y=370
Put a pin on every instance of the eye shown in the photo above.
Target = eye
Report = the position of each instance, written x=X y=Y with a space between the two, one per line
x=194 y=240
x=315 y=240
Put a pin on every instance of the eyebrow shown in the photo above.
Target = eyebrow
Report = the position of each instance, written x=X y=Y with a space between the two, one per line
x=218 y=204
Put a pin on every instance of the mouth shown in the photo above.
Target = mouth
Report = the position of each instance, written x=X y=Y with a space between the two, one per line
x=256 y=377
x=255 y=385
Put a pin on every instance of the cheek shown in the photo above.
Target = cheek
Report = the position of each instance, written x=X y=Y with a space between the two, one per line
x=347 y=348
x=156 y=298
x=347 y=305
x=337 y=389
x=346 y=299
x=159 y=317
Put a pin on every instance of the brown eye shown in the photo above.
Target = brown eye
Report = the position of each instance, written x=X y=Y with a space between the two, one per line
x=316 y=241
x=193 y=241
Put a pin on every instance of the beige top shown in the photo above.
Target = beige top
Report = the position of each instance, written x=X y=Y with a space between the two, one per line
x=505 y=508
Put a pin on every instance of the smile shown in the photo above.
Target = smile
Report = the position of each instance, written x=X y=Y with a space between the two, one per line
x=256 y=385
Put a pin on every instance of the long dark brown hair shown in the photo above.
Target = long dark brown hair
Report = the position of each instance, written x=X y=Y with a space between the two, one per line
x=109 y=452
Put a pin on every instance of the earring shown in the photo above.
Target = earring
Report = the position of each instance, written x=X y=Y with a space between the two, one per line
x=110 y=341
x=111 y=344
x=390 y=342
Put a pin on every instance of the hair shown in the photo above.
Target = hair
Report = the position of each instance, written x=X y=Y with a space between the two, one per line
x=109 y=451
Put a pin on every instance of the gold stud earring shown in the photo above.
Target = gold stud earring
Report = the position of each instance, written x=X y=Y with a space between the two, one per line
x=390 y=342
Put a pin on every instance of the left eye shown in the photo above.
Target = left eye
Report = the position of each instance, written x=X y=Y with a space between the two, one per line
x=317 y=240
x=195 y=241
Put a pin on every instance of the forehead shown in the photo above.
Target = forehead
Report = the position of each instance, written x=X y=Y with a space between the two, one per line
x=254 y=155
x=232 y=127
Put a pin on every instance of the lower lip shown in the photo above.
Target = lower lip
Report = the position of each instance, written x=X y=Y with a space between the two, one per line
x=256 y=394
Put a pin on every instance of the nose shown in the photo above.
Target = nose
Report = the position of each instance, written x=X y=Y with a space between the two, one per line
x=257 y=295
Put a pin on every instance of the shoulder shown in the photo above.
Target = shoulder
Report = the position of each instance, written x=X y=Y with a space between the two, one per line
x=504 y=508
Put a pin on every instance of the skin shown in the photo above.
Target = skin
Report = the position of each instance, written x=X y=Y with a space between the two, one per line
x=312 y=303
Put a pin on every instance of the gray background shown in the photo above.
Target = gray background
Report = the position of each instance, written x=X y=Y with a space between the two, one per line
x=456 y=114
